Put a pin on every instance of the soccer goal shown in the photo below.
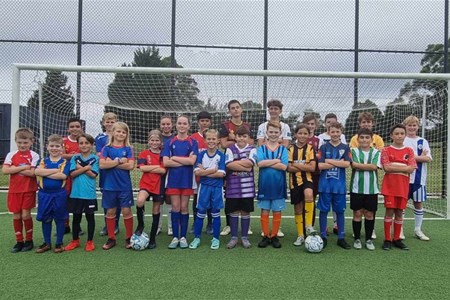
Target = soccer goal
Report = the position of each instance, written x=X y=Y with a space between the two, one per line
x=44 y=97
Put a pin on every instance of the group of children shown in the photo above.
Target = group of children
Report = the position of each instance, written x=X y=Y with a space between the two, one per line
x=177 y=166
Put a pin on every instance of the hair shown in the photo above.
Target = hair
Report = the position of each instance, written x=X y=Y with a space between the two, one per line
x=212 y=131
x=123 y=126
x=411 y=119
x=166 y=117
x=365 y=115
x=336 y=125
x=301 y=126
x=155 y=132
x=109 y=116
x=24 y=133
x=241 y=130
x=398 y=125
x=365 y=131
x=184 y=116
x=273 y=124
x=234 y=101
x=309 y=117
x=72 y=120
x=204 y=115
x=275 y=102
x=330 y=116
x=55 y=138
x=88 y=138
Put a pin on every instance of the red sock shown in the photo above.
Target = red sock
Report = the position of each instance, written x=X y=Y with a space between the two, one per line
x=128 y=227
x=18 y=229
x=265 y=223
x=387 y=228
x=110 y=227
x=276 y=223
x=28 y=223
x=397 y=229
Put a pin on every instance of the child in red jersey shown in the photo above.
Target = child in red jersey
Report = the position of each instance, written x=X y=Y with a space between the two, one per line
x=398 y=162
x=20 y=165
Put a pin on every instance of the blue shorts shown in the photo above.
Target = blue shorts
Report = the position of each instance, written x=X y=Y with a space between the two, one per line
x=273 y=205
x=337 y=201
x=113 y=199
x=417 y=192
x=209 y=197
x=52 y=206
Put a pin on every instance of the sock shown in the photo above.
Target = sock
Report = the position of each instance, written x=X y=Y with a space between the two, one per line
x=198 y=223
x=110 y=227
x=418 y=218
x=340 y=221
x=215 y=213
x=227 y=218
x=184 y=222
x=76 y=219
x=169 y=215
x=47 y=232
x=140 y=217
x=208 y=213
x=397 y=228
x=194 y=208
x=299 y=225
x=323 y=224
x=90 y=218
x=128 y=222
x=18 y=229
x=155 y=224
x=276 y=223
x=175 y=219
x=67 y=222
x=118 y=212
x=387 y=228
x=309 y=213
x=265 y=223
x=28 y=224
x=369 y=225
x=245 y=225
x=60 y=228
x=234 y=224
x=357 y=229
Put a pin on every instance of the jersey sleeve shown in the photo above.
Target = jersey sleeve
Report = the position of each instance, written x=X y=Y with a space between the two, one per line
x=284 y=156
x=199 y=160
x=426 y=146
x=130 y=153
x=320 y=154
x=354 y=141
x=376 y=158
x=343 y=140
x=260 y=154
x=223 y=131
x=291 y=154
x=221 y=167
x=385 y=157
x=73 y=163
x=261 y=134
x=310 y=155
x=228 y=156
x=166 y=149
x=66 y=168
x=8 y=159
x=411 y=158
x=194 y=147
x=142 y=160
x=286 y=132
x=105 y=153
x=347 y=155
x=378 y=141
x=252 y=156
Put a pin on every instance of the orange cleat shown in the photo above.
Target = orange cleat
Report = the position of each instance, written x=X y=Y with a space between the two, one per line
x=89 y=246
x=72 y=245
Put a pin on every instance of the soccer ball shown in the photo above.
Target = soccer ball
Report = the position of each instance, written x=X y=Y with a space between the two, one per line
x=314 y=243
x=139 y=242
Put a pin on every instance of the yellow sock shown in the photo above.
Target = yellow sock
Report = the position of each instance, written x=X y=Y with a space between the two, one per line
x=309 y=213
x=299 y=225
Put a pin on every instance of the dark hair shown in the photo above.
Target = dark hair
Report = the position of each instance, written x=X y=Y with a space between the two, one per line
x=336 y=125
x=233 y=102
x=241 y=130
x=398 y=125
x=204 y=115
x=365 y=131
x=275 y=102
x=301 y=126
x=330 y=116
x=88 y=137
x=71 y=120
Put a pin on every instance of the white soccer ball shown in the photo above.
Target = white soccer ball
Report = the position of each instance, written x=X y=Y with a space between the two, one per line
x=139 y=242
x=314 y=243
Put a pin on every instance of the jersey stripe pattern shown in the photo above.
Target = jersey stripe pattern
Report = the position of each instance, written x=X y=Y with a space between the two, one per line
x=302 y=155
x=418 y=144
x=365 y=182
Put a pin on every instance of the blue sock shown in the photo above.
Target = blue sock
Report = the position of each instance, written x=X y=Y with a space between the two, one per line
x=184 y=224
x=245 y=225
x=340 y=219
x=60 y=227
x=216 y=222
x=323 y=224
x=234 y=224
x=176 y=223
x=47 y=232
x=198 y=224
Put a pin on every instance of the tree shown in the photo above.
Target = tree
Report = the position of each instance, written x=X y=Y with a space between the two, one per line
x=396 y=112
x=351 y=123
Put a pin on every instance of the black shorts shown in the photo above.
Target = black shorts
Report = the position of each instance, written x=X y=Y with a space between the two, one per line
x=298 y=192
x=238 y=204
x=315 y=184
x=86 y=206
x=362 y=201
x=154 y=197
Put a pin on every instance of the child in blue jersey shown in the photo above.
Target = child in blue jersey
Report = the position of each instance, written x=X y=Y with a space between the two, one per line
x=84 y=168
x=179 y=156
x=272 y=160
x=117 y=160
x=51 y=173
x=333 y=157
x=210 y=167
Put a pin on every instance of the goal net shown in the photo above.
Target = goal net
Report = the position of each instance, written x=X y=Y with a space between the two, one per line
x=46 y=96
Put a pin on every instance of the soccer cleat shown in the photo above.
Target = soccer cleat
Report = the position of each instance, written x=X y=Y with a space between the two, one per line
x=325 y=242
x=27 y=246
x=174 y=243
x=43 y=248
x=17 y=247
x=357 y=244
x=275 y=242
x=402 y=235
x=387 y=245
x=374 y=235
x=110 y=243
x=264 y=242
x=194 y=244
x=299 y=241
x=183 y=243
x=370 y=245
x=209 y=229
x=335 y=229
x=128 y=244
x=104 y=231
x=232 y=243
x=310 y=230
x=280 y=234
x=399 y=244
x=169 y=231
x=343 y=244
x=420 y=235
x=215 y=244
x=250 y=232
x=139 y=230
x=245 y=243
x=72 y=245
x=66 y=229
x=226 y=230
x=58 y=248
x=151 y=245
x=89 y=246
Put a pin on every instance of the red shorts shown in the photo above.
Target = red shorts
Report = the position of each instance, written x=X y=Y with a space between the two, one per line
x=21 y=201
x=395 y=202
x=182 y=192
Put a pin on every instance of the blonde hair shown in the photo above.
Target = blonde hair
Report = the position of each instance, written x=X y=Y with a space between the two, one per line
x=55 y=138
x=273 y=124
x=155 y=132
x=411 y=119
x=212 y=131
x=109 y=116
x=24 y=133
x=123 y=126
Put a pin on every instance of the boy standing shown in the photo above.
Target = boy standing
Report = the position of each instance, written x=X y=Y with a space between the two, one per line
x=325 y=137
x=275 y=108
x=418 y=178
x=334 y=158
x=20 y=165
x=366 y=120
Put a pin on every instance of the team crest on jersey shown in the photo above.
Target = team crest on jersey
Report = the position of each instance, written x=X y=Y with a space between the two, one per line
x=420 y=146
x=406 y=157
x=341 y=152
x=124 y=153
x=333 y=173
